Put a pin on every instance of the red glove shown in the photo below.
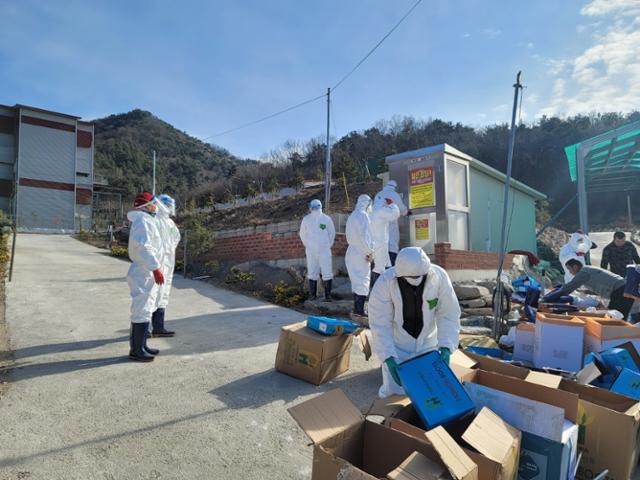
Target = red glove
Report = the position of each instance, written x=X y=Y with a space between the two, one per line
x=158 y=276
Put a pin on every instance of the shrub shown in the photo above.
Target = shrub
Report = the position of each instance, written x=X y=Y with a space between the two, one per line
x=118 y=251
x=83 y=235
x=287 y=295
x=237 y=276
x=199 y=238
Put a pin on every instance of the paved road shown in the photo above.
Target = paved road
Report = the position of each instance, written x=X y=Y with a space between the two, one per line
x=210 y=407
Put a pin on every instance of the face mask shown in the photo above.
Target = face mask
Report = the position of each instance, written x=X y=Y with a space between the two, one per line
x=414 y=281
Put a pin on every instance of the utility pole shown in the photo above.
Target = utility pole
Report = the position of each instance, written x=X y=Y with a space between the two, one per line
x=327 y=162
x=629 y=209
x=497 y=305
x=154 y=174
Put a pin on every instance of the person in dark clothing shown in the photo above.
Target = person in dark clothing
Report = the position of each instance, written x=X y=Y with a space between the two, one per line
x=618 y=254
x=604 y=283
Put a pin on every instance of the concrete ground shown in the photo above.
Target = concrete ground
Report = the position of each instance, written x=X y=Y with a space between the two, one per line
x=211 y=406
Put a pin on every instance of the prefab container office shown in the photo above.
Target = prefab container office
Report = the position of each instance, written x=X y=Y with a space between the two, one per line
x=457 y=199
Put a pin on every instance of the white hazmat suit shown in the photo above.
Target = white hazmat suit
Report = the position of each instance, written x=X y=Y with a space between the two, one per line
x=317 y=233
x=381 y=216
x=389 y=191
x=576 y=248
x=360 y=242
x=145 y=251
x=170 y=236
x=440 y=314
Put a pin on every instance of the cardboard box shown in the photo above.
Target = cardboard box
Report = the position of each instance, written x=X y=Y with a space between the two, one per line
x=608 y=432
x=454 y=462
x=489 y=364
x=523 y=345
x=627 y=383
x=434 y=389
x=309 y=356
x=558 y=342
x=495 y=444
x=349 y=447
x=541 y=459
x=602 y=334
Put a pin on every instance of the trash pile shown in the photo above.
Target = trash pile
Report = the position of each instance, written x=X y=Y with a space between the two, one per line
x=564 y=404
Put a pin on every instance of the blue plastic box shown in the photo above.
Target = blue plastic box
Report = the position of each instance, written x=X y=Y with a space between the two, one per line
x=331 y=326
x=486 y=351
x=628 y=384
x=436 y=393
x=618 y=358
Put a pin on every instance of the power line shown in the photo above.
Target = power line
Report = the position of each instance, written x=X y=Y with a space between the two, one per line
x=377 y=45
x=311 y=100
x=293 y=107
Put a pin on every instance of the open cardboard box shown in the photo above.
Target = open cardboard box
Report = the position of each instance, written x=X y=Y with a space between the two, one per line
x=349 y=447
x=558 y=342
x=609 y=424
x=604 y=333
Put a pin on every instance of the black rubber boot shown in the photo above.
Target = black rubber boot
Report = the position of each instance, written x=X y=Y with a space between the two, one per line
x=157 y=320
x=327 y=291
x=358 y=304
x=313 y=289
x=147 y=348
x=138 y=335
x=374 y=277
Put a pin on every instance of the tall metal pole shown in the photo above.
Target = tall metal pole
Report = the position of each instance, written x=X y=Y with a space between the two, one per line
x=629 y=208
x=497 y=307
x=154 y=174
x=327 y=162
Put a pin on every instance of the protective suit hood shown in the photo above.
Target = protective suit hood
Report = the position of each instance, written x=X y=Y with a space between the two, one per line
x=364 y=201
x=580 y=242
x=412 y=262
x=135 y=214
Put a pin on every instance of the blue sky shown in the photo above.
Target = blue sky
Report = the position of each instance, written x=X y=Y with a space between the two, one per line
x=207 y=66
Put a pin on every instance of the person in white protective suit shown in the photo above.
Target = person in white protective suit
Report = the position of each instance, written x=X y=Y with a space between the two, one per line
x=389 y=191
x=170 y=236
x=577 y=247
x=383 y=213
x=145 y=273
x=412 y=310
x=318 y=233
x=360 y=252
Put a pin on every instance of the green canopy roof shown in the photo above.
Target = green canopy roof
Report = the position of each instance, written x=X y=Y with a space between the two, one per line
x=611 y=159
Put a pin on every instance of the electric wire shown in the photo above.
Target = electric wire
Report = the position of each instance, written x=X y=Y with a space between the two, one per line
x=311 y=100
x=377 y=45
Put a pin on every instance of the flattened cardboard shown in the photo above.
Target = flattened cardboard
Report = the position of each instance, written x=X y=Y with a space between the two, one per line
x=326 y=415
x=588 y=374
x=545 y=379
x=496 y=439
x=458 y=463
x=522 y=413
x=418 y=467
x=568 y=401
x=310 y=356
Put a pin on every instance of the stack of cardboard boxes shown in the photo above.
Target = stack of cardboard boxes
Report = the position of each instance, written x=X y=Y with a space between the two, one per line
x=524 y=424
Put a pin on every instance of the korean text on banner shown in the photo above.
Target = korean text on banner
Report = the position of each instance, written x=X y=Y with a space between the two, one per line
x=421 y=188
